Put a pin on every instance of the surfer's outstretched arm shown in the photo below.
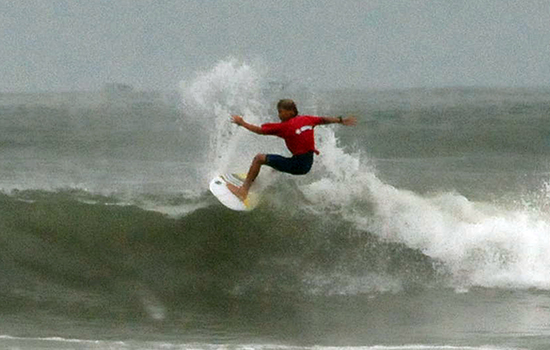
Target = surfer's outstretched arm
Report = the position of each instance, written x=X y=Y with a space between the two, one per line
x=237 y=119
x=351 y=120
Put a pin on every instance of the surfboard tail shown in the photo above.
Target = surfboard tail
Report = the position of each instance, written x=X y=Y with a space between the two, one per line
x=251 y=200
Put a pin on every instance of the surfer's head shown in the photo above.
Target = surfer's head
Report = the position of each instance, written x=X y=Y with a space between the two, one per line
x=287 y=109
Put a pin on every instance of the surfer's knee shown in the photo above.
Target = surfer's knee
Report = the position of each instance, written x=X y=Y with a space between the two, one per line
x=260 y=158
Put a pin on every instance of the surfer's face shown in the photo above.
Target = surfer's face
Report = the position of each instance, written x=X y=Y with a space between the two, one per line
x=286 y=114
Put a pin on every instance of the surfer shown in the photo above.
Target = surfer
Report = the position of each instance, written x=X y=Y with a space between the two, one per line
x=297 y=131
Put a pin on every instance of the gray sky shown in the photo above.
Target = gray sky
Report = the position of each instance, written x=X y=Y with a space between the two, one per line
x=154 y=44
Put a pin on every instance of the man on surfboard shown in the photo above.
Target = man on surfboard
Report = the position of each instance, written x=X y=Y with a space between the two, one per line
x=297 y=131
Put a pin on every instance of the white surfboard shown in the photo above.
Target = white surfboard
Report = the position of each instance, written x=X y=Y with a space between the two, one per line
x=218 y=187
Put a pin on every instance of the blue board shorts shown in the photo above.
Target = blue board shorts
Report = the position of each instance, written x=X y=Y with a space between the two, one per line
x=296 y=165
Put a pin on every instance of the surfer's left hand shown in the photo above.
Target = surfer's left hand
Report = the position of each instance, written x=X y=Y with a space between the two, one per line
x=350 y=120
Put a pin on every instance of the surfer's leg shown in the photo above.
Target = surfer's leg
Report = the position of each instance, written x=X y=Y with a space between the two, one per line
x=259 y=160
x=242 y=192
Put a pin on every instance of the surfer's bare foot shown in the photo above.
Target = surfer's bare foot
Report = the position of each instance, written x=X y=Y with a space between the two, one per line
x=240 y=192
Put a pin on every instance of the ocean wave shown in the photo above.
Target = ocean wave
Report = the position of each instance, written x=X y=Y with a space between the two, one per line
x=58 y=250
x=101 y=254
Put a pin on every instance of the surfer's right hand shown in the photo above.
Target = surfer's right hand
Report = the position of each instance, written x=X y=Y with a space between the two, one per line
x=237 y=119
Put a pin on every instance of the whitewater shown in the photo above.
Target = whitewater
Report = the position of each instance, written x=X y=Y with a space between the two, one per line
x=426 y=226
